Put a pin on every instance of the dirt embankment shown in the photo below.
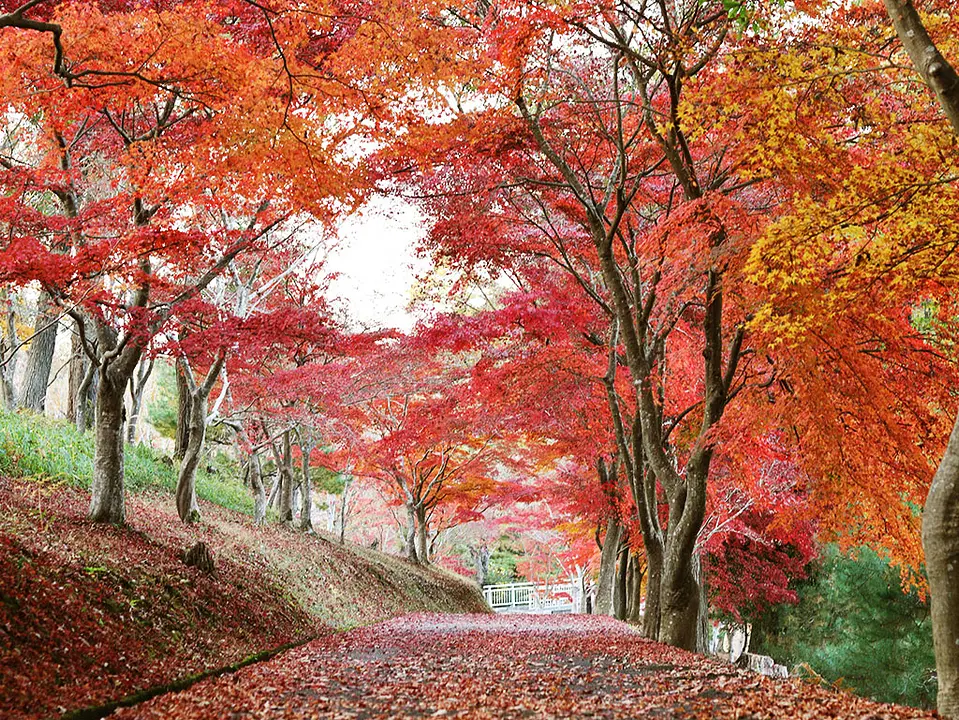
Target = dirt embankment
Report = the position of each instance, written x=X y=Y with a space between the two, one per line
x=91 y=613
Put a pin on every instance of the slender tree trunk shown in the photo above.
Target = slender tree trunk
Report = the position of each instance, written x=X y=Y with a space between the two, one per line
x=411 y=532
x=186 y=502
x=654 y=575
x=259 y=492
x=137 y=388
x=107 y=502
x=287 y=480
x=940 y=542
x=607 y=568
x=8 y=350
x=306 y=505
x=198 y=395
x=183 y=405
x=33 y=394
x=422 y=536
x=635 y=613
x=343 y=509
x=620 y=589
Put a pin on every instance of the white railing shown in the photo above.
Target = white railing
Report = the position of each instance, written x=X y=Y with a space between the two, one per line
x=530 y=598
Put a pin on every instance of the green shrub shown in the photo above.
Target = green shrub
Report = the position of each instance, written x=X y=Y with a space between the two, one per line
x=36 y=446
x=856 y=627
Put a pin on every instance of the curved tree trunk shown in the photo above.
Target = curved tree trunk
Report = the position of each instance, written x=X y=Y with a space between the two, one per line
x=33 y=394
x=198 y=395
x=186 y=503
x=940 y=542
x=607 y=568
x=106 y=504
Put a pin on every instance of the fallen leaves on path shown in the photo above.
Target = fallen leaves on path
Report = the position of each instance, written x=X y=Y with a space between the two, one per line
x=506 y=666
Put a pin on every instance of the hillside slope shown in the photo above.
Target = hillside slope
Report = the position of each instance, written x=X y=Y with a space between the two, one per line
x=91 y=613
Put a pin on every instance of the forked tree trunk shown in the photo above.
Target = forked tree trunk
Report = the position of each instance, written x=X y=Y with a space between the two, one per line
x=186 y=503
x=106 y=503
x=607 y=568
x=36 y=377
x=198 y=395
x=940 y=543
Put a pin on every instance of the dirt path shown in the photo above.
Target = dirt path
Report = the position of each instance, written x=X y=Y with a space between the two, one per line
x=506 y=666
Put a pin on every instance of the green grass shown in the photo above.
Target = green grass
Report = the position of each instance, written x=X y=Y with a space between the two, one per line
x=39 y=447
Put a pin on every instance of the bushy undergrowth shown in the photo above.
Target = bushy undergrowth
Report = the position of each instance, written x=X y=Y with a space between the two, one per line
x=36 y=446
x=855 y=627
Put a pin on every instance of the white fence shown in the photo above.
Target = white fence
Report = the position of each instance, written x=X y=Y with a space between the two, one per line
x=530 y=598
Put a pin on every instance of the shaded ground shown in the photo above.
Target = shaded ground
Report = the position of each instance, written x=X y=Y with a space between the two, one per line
x=91 y=613
x=506 y=666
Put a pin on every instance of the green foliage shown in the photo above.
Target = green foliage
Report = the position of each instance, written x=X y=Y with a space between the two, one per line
x=36 y=446
x=502 y=563
x=162 y=408
x=856 y=627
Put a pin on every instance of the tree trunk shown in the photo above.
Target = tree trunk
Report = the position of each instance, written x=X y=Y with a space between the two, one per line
x=607 y=568
x=186 y=502
x=422 y=536
x=343 y=509
x=287 y=481
x=622 y=578
x=654 y=575
x=183 y=404
x=940 y=521
x=106 y=504
x=8 y=350
x=33 y=394
x=679 y=597
x=940 y=542
x=411 y=532
x=634 y=612
x=306 y=506
x=137 y=388
x=259 y=492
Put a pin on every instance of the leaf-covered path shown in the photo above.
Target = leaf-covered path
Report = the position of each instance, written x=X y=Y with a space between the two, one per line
x=481 y=666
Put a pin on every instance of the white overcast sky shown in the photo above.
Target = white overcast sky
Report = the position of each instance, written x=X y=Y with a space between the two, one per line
x=376 y=264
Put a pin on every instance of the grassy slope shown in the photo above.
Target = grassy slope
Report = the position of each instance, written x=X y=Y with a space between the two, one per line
x=91 y=613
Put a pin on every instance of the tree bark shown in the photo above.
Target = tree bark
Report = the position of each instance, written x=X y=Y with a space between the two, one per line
x=259 y=491
x=186 y=503
x=306 y=504
x=8 y=350
x=183 y=404
x=411 y=532
x=343 y=509
x=199 y=395
x=138 y=386
x=33 y=394
x=940 y=542
x=607 y=568
x=422 y=536
x=620 y=590
x=107 y=502
x=634 y=611
x=939 y=74
x=940 y=520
